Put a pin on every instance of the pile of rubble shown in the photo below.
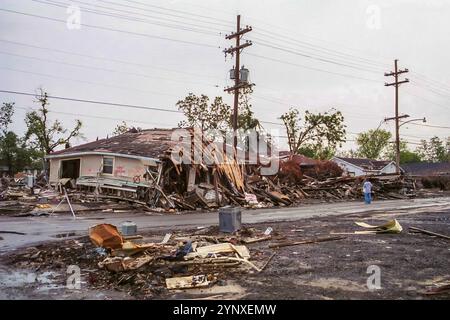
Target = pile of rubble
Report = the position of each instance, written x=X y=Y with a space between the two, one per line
x=196 y=259
x=250 y=191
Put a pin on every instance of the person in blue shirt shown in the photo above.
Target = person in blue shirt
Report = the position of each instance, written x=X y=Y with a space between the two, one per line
x=367 y=189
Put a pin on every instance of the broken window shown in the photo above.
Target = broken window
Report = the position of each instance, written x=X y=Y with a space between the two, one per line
x=108 y=164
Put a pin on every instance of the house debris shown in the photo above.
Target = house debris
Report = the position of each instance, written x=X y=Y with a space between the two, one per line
x=391 y=226
x=430 y=233
x=138 y=170
x=197 y=252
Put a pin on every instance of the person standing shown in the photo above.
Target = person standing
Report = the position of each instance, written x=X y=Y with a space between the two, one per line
x=367 y=189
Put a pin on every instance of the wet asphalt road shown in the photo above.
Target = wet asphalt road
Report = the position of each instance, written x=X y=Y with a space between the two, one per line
x=41 y=229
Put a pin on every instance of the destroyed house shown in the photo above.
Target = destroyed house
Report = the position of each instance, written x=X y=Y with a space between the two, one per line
x=302 y=161
x=139 y=165
x=363 y=166
x=126 y=157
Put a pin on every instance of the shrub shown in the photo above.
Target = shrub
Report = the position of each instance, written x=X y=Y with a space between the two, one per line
x=441 y=182
x=325 y=169
x=290 y=172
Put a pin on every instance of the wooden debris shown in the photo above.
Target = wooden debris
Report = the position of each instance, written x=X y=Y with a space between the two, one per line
x=430 y=233
x=187 y=282
x=268 y=261
x=106 y=236
x=294 y=243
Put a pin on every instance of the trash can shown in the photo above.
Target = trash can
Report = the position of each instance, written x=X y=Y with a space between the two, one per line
x=229 y=219
x=128 y=228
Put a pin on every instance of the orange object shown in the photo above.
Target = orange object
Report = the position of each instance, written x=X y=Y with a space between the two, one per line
x=106 y=236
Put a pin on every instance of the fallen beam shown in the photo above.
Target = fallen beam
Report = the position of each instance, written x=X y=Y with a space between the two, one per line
x=430 y=233
x=294 y=243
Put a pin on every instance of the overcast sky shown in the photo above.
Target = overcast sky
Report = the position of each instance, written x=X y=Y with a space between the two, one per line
x=308 y=54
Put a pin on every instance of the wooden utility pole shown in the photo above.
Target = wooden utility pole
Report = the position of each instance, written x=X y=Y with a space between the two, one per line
x=238 y=84
x=396 y=83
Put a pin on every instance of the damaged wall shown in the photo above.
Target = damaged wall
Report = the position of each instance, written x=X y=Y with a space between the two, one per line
x=124 y=168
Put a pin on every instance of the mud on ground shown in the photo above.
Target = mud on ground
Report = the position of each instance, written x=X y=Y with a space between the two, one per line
x=409 y=263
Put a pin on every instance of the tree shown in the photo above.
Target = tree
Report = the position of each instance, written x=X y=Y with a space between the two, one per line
x=123 y=127
x=13 y=150
x=406 y=155
x=6 y=113
x=199 y=112
x=433 y=150
x=45 y=135
x=347 y=153
x=372 y=143
x=246 y=119
x=317 y=151
x=321 y=132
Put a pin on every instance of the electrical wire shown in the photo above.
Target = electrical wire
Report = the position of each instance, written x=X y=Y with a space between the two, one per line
x=114 y=29
x=128 y=18
x=103 y=69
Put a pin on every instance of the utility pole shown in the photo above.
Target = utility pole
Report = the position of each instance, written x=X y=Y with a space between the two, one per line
x=238 y=84
x=396 y=83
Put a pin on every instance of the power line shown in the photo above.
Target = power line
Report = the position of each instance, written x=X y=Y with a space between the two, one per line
x=105 y=59
x=95 y=102
x=431 y=81
x=88 y=82
x=429 y=125
x=102 y=102
x=128 y=18
x=313 y=57
x=96 y=117
x=309 y=46
x=113 y=29
x=179 y=11
x=327 y=60
x=427 y=100
x=263 y=32
x=310 y=68
x=432 y=90
x=190 y=17
x=103 y=69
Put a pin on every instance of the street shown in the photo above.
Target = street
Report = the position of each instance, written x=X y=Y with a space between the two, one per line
x=41 y=229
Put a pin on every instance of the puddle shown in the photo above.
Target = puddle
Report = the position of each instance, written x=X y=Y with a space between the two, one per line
x=16 y=279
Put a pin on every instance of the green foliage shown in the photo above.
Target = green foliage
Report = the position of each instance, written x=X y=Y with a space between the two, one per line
x=318 y=135
x=372 y=143
x=246 y=119
x=123 y=127
x=347 y=153
x=6 y=113
x=317 y=151
x=406 y=155
x=13 y=150
x=199 y=112
x=45 y=135
x=434 y=150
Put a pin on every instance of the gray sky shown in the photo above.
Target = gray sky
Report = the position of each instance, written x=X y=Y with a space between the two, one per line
x=309 y=54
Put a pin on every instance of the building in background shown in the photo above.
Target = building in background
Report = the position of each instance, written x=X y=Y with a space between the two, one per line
x=361 y=166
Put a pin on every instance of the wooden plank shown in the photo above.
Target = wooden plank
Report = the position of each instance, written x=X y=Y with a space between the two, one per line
x=430 y=233
x=294 y=243
x=187 y=282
